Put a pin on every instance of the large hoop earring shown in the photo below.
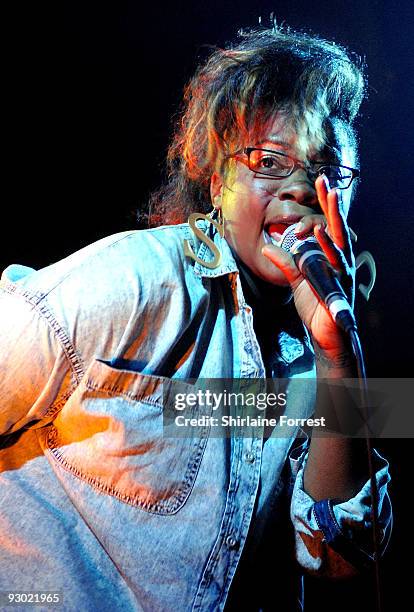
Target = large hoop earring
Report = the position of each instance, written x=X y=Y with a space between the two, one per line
x=215 y=220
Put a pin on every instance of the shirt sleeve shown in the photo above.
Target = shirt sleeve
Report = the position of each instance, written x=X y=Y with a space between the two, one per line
x=336 y=539
x=35 y=375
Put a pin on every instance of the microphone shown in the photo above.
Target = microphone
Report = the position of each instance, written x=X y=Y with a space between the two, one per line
x=316 y=269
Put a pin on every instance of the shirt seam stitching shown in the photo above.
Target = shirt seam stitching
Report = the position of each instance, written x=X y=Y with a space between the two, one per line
x=74 y=360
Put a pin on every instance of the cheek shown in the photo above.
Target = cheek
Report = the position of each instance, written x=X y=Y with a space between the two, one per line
x=245 y=200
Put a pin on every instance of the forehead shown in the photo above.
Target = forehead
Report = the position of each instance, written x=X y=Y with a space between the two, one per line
x=305 y=141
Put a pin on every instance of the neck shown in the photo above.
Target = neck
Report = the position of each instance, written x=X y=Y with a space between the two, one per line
x=258 y=291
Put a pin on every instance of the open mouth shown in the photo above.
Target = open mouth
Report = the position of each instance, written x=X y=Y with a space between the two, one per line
x=273 y=232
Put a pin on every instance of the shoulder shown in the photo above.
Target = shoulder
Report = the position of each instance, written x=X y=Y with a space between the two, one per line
x=109 y=260
x=111 y=280
x=98 y=293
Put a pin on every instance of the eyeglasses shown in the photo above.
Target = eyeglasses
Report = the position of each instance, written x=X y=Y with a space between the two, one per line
x=275 y=164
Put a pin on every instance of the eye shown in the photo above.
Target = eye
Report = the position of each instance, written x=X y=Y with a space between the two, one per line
x=267 y=162
x=335 y=174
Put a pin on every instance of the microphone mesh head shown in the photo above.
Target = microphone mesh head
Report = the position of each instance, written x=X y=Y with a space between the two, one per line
x=289 y=241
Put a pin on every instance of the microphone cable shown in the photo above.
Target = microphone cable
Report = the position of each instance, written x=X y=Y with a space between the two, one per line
x=344 y=318
x=363 y=393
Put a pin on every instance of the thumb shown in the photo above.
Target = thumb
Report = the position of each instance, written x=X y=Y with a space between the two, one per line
x=284 y=261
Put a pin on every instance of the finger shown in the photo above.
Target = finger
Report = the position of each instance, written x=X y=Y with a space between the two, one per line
x=284 y=261
x=307 y=223
x=337 y=259
x=322 y=190
x=334 y=254
x=330 y=202
x=337 y=221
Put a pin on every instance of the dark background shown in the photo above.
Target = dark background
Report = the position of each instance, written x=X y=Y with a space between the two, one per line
x=91 y=89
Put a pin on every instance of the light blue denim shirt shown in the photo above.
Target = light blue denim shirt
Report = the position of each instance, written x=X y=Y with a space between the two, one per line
x=95 y=501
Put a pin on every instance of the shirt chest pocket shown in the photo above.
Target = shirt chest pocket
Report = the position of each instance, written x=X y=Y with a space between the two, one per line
x=111 y=433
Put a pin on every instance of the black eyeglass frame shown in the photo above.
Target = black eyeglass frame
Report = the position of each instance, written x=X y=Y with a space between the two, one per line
x=307 y=166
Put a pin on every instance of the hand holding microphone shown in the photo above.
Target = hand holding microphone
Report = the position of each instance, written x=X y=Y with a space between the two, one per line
x=316 y=269
x=313 y=264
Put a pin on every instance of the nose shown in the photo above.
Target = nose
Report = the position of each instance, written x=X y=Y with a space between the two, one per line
x=299 y=188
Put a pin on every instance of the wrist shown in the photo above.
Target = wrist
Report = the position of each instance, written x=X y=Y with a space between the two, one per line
x=340 y=360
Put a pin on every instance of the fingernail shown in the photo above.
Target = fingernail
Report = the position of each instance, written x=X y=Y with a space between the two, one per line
x=299 y=228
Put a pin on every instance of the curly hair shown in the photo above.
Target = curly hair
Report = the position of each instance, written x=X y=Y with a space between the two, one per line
x=236 y=90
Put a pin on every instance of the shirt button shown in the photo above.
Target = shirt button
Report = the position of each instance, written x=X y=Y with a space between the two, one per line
x=249 y=457
x=231 y=542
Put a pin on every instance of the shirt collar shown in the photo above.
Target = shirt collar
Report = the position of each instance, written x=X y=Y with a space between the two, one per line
x=227 y=264
x=291 y=347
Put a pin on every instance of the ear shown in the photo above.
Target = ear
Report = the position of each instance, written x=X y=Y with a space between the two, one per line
x=216 y=189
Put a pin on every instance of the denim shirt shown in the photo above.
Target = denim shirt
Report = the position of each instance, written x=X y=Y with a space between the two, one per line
x=95 y=501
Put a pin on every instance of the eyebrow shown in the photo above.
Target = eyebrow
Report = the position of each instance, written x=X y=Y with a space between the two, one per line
x=328 y=151
x=275 y=141
x=332 y=152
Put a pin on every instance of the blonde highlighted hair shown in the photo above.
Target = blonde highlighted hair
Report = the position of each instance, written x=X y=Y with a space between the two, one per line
x=237 y=90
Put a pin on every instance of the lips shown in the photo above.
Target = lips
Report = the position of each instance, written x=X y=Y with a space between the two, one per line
x=274 y=229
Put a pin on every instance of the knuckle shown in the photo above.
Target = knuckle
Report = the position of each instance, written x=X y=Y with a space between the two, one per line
x=313 y=218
